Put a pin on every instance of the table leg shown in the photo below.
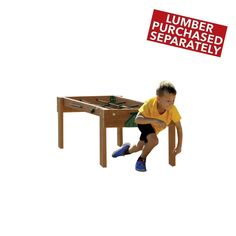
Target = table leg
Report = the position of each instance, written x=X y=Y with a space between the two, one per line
x=103 y=143
x=119 y=136
x=171 y=133
x=60 y=105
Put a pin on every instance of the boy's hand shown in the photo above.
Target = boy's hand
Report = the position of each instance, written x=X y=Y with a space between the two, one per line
x=161 y=123
x=177 y=150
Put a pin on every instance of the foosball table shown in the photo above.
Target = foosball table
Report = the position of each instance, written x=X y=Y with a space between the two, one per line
x=113 y=111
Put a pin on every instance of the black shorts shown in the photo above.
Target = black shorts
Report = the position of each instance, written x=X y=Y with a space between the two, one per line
x=145 y=129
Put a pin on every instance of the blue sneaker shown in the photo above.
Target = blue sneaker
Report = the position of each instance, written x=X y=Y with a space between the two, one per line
x=140 y=166
x=121 y=151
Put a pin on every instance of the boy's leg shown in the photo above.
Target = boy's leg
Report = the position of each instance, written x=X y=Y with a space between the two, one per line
x=125 y=149
x=152 y=141
x=137 y=147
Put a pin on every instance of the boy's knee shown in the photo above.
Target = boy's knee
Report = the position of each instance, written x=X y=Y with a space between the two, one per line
x=152 y=140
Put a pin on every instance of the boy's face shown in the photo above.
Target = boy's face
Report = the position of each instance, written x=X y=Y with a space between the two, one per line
x=166 y=100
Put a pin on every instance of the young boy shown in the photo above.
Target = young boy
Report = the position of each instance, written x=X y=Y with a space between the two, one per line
x=154 y=116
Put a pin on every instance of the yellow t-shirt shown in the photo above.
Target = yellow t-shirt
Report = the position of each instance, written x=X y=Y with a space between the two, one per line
x=149 y=110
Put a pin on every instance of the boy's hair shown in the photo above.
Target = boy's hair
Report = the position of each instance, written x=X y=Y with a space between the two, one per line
x=166 y=86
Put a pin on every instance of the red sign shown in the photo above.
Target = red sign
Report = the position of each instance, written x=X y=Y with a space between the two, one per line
x=188 y=33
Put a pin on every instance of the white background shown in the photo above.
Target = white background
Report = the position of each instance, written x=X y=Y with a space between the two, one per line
x=71 y=48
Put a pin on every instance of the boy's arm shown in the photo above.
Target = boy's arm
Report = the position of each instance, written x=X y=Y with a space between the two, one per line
x=140 y=119
x=180 y=137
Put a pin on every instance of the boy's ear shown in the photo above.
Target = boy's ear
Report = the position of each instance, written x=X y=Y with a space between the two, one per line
x=158 y=98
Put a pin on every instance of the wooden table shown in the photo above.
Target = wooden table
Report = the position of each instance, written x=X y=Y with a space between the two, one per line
x=114 y=111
